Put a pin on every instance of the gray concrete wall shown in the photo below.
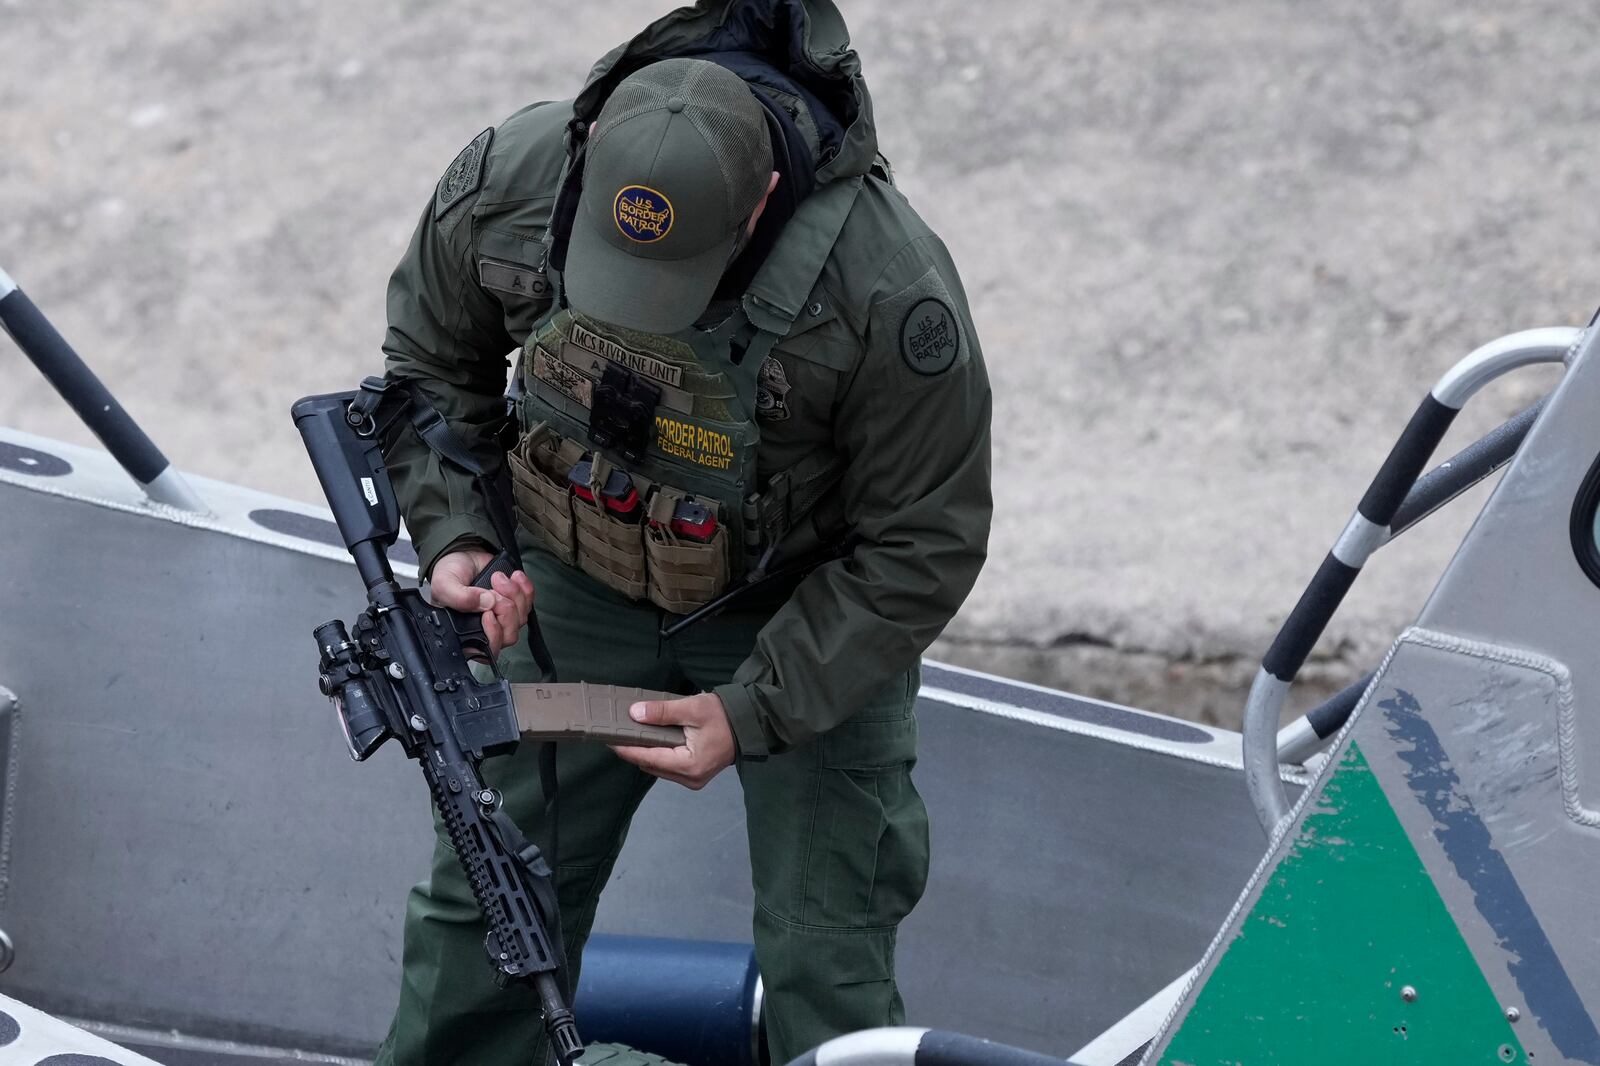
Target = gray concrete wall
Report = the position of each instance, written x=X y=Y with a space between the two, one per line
x=1216 y=252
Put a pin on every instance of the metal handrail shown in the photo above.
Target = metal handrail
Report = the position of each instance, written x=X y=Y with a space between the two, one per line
x=1369 y=528
x=92 y=401
x=906 y=1046
x=1305 y=735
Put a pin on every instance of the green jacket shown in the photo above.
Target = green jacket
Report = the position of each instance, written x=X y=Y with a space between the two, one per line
x=884 y=362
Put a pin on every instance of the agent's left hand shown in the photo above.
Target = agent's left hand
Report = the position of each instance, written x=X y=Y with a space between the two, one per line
x=707 y=749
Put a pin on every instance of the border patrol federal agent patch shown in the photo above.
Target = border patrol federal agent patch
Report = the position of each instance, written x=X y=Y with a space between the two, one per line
x=642 y=214
x=702 y=444
x=464 y=175
x=930 y=339
x=772 y=390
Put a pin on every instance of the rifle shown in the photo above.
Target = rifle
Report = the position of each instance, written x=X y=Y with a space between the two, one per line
x=405 y=673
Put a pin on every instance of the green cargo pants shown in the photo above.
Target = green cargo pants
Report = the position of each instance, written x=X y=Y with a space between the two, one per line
x=838 y=845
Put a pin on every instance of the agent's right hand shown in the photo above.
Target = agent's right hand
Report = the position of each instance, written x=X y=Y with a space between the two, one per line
x=504 y=608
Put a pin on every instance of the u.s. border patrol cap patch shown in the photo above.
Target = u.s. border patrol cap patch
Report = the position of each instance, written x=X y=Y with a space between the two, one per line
x=464 y=174
x=930 y=337
x=643 y=215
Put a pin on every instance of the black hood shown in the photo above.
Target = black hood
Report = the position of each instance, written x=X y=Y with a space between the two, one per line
x=798 y=51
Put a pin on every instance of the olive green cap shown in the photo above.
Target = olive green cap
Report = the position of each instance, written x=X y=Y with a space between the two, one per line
x=678 y=160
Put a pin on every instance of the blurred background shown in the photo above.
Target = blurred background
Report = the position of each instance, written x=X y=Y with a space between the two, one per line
x=1217 y=252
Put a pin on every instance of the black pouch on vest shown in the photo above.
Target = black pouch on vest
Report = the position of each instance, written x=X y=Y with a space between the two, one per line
x=624 y=413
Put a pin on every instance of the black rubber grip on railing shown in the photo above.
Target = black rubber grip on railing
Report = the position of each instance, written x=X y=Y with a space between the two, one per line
x=1333 y=579
x=1309 y=618
x=1464 y=469
x=1406 y=461
x=1439 y=486
x=1329 y=716
x=78 y=385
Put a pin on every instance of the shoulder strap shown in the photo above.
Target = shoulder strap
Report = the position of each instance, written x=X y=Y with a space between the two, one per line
x=784 y=283
x=386 y=400
x=569 y=187
x=772 y=304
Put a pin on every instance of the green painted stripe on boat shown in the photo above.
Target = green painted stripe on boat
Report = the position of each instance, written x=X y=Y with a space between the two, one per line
x=1316 y=971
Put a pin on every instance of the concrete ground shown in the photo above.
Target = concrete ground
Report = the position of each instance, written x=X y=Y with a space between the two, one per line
x=1217 y=252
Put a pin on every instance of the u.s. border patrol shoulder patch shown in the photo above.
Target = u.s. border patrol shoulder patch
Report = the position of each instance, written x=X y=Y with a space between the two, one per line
x=930 y=337
x=464 y=174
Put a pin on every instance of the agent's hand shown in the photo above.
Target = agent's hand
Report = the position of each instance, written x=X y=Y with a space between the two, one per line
x=707 y=749
x=504 y=608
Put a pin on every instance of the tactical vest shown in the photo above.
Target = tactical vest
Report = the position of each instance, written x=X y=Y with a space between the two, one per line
x=637 y=457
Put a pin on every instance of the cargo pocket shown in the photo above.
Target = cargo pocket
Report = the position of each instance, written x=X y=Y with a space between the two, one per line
x=882 y=734
x=610 y=550
x=539 y=466
x=685 y=573
x=866 y=795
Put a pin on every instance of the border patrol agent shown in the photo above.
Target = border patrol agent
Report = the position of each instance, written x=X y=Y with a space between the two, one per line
x=736 y=345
